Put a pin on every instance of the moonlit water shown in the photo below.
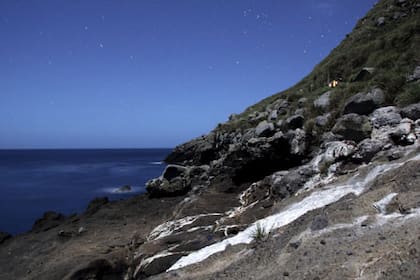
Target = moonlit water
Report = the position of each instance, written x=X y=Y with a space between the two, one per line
x=35 y=181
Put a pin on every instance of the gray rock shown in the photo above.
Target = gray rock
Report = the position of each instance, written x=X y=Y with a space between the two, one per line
x=297 y=141
x=294 y=122
x=302 y=102
x=385 y=116
x=367 y=149
x=286 y=183
x=323 y=102
x=380 y=21
x=329 y=137
x=273 y=115
x=364 y=103
x=319 y=222
x=174 y=181
x=411 y=111
x=415 y=76
x=323 y=120
x=264 y=129
x=353 y=127
x=404 y=134
x=157 y=264
x=337 y=150
x=172 y=171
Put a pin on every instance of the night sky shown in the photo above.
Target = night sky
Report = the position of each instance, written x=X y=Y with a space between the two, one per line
x=120 y=74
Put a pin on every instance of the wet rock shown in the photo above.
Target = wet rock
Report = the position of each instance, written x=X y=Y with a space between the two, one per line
x=385 y=116
x=411 y=111
x=319 y=222
x=48 y=221
x=4 y=236
x=323 y=102
x=264 y=129
x=367 y=149
x=295 y=121
x=353 y=127
x=96 y=204
x=364 y=103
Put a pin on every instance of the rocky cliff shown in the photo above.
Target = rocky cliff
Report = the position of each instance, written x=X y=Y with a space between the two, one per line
x=316 y=182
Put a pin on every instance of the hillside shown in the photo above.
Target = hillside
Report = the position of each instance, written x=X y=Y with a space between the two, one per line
x=315 y=182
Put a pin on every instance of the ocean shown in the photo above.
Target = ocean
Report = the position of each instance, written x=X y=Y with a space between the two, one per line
x=35 y=181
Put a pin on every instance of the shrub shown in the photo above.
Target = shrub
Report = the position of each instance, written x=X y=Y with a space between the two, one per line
x=410 y=95
x=260 y=233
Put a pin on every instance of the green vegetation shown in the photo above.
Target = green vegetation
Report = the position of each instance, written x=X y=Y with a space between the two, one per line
x=392 y=49
x=260 y=233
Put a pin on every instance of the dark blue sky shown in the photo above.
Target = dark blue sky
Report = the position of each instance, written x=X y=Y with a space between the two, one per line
x=80 y=74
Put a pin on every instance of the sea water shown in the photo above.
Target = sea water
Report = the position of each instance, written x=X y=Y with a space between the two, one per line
x=35 y=181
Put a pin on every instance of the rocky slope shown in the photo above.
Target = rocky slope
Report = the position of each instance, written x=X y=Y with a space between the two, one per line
x=311 y=183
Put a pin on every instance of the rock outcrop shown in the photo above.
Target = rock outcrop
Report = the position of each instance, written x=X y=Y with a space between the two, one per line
x=306 y=184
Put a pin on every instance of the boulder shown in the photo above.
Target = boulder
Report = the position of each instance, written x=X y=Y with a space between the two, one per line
x=287 y=183
x=364 y=103
x=385 y=116
x=353 y=127
x=404 y=134
x=264 y=129
x=367 y=149
x=172 y=171
x=411 y=111
x=298 y=141
x=162 y=187
x=323 y=102
x=295 y=121
x=323 y=120
x=273 y=115
x=4 y=236
x=337 y=150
